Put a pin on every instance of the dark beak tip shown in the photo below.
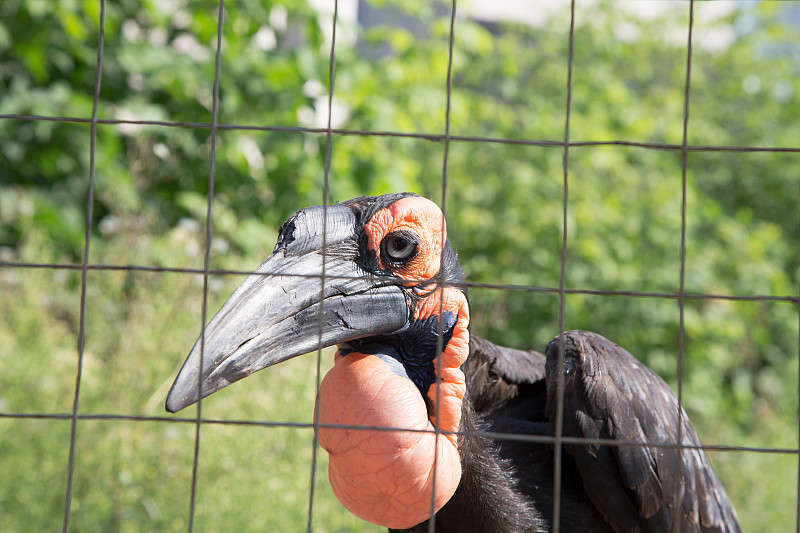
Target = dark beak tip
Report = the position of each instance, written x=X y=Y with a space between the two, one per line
x=177 y=402
x=170 y=408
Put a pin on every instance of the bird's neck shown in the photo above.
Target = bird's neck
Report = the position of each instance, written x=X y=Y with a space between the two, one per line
x=384 y=476
x=487 y=498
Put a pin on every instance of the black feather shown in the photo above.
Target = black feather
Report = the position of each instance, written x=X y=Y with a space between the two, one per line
x=507 y=485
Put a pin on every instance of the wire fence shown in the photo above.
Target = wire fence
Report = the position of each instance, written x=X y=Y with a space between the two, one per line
x=562 y=291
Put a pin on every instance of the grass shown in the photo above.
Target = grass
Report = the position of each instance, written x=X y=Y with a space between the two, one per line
x=135 y=475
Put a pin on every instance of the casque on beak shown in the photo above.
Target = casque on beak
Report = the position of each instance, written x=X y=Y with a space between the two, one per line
x=275 y=314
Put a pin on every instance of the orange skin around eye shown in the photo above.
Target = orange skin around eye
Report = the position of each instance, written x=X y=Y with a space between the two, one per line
x=387 y=477
x=421 y=217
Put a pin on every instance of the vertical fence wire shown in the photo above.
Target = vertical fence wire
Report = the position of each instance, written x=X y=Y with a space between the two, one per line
x=73 y=433
x=558 y=429
x=206 y=263
x=320 y=319
x=562 y=290
x=797 y=406
x=678 y=451
x=440 y=281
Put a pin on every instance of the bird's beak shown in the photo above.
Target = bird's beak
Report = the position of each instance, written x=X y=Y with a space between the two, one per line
x=284 y=309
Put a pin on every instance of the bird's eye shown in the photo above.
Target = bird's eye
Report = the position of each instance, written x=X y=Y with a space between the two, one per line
x=399 y=247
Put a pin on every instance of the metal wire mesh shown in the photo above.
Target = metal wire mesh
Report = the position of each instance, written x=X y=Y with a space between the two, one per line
x=330 y=132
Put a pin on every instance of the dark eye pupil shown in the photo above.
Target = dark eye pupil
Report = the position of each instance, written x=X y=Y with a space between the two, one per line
x=399 y=248
x=399 y=244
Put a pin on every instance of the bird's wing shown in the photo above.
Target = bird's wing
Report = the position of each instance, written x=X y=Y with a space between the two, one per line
x=495 y=373
x=608 y=394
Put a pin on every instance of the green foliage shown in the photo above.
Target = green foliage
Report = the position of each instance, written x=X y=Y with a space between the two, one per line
x=504 y=209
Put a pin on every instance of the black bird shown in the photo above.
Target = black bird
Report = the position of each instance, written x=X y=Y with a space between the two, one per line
x=406 y=360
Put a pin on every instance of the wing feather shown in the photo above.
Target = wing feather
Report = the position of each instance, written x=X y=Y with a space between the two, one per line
x=495 y=373
x=608 y=394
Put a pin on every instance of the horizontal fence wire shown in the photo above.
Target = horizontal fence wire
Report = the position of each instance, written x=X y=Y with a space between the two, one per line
x=557 y=440
x=511 y=437
x=433 y=137
x=466 y=284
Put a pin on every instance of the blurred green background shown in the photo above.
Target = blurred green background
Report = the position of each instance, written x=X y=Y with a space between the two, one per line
x=504 y=218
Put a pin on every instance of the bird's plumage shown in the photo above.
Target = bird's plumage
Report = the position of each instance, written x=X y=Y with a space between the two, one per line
x=609 y=395
x=392 y=298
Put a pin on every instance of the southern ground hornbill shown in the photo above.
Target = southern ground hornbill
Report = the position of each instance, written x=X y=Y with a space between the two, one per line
x=389 y=308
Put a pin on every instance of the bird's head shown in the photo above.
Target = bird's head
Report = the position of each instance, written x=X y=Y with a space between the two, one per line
x=390 y=276
x=377 y=277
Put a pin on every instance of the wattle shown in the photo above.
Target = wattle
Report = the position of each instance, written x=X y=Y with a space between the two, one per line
x=384 y=477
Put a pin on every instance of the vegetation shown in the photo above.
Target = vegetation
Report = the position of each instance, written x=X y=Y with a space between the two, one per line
x=504 y=209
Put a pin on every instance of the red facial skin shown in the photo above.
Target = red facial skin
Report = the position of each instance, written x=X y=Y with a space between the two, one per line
x=387 y=476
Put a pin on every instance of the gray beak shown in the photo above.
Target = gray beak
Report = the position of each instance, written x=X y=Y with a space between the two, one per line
x=284 y=309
